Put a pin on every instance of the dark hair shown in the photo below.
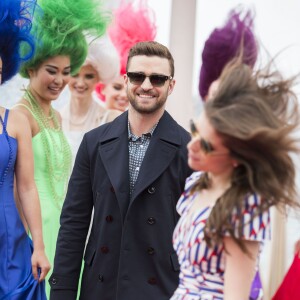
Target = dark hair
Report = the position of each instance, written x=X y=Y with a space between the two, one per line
x=255 y=115
x=151 y=48
x=15 y=25
x=224 y=44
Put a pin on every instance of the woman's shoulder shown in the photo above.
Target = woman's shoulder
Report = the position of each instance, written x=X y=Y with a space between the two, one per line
x=17 y=123
x=186 y=196
x=24 y=108
x=17 y=117
x=192 y=179
x=254 y=219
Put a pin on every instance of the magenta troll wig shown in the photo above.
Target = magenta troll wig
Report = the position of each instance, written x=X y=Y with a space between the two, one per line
x=133 y=23
x=224 y=44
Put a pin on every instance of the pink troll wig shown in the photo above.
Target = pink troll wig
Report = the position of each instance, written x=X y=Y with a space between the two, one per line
x=131 y=24
x=224 y=44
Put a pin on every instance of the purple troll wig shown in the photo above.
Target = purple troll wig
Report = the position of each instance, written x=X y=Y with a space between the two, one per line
x=223 y=45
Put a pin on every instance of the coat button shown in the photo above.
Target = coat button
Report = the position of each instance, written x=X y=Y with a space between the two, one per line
x=151 y=190
x=112 y=189
x=150 y=251
x=151 y=221
x=109 y=219
x=54 y=280
x=152 y=280
x=100 y=278
x=104 y=249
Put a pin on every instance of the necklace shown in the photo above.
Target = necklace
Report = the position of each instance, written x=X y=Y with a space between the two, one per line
x=57 y=151
x=51 y=116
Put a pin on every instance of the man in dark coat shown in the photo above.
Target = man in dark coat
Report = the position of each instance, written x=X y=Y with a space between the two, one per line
x=131 y=172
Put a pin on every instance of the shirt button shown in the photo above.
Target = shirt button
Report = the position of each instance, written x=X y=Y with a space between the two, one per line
x=151 y=190
x=100 y=278
x=152 y=280
x=151 y=221
x=150 y=251
x=104 y=249
x=112 y=189
x=109 y=219
x=54 y=280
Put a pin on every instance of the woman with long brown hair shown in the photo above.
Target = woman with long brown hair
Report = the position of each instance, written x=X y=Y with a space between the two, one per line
x=241 y=145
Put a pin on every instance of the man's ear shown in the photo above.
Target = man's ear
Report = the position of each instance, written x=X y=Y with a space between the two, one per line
x=171 y=86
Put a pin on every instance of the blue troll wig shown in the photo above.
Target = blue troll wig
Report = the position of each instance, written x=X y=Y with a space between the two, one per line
x=15 y=25
x=224 y=44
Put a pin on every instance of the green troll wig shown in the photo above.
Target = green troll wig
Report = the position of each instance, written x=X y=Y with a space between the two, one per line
x=61 y=28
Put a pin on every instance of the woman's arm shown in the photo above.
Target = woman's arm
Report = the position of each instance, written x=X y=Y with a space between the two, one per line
x=28 y=194
x=239 y=269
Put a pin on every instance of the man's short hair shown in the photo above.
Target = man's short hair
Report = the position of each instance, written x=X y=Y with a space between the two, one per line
x=151 y=48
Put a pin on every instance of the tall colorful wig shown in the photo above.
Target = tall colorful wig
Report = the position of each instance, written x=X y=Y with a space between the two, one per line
x=61 y=30
x=224 y=44
x=15 y=25
x=132 y=24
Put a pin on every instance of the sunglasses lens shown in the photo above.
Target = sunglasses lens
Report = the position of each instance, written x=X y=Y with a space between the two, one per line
x=206 y=146
x=193 y=128
x=136 y=78
x=158 y=80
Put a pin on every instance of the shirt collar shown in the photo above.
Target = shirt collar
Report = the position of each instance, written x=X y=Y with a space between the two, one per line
x=133 y=137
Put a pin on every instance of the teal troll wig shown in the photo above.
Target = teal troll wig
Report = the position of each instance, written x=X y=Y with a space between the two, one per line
x=61 y=30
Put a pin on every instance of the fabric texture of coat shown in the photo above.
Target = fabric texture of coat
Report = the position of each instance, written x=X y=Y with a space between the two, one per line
x=129 y=254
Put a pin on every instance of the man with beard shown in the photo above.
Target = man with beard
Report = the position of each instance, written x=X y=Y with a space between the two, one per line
x=131 y=172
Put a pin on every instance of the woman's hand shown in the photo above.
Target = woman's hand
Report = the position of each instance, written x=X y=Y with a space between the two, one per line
x=39 y=261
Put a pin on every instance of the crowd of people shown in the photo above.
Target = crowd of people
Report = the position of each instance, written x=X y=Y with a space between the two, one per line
x=111 y=198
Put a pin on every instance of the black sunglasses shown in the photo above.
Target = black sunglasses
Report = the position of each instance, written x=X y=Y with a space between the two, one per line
x=155 y=79
x=205 y=145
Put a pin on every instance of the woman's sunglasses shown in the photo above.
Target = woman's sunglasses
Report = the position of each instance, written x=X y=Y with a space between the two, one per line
x=205 y=146
x=155 y=79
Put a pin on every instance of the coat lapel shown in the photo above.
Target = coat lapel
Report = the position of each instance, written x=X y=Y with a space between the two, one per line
x=113 y=150
x=163 y=147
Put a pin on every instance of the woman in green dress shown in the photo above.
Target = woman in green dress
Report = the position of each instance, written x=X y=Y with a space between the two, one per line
x=61 y=50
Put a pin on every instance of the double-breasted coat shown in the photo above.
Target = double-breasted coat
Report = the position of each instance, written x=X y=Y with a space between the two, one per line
x=129 y=254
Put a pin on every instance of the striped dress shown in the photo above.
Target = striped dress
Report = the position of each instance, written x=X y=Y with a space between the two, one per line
x=201 y=267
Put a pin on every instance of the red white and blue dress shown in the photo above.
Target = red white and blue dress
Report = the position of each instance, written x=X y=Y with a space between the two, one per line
x=202 y=268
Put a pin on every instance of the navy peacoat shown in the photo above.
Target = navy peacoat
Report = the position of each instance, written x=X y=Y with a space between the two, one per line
x=129 y=254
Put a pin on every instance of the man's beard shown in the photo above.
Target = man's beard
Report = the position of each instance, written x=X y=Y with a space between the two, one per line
x=149 y=109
